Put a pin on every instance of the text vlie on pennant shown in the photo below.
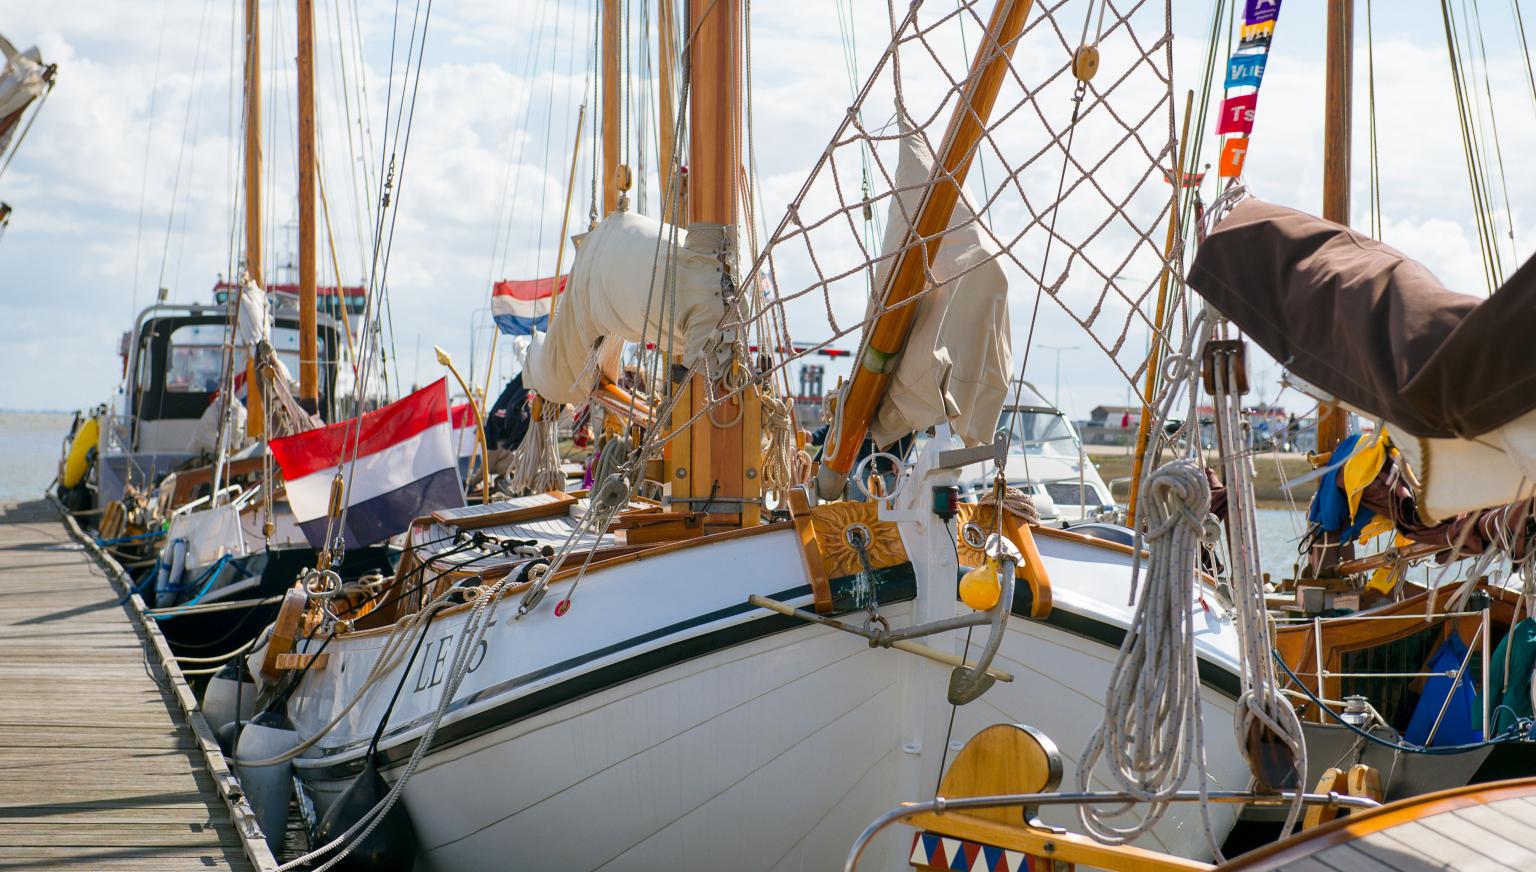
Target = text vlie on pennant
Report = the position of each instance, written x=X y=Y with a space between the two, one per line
x=1257 y=11
x=1246 y=70
x=1256 y=37
x=1233 y=153
x=1237 y=114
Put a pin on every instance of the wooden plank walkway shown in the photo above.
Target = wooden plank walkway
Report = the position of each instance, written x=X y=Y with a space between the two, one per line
x=98 y=767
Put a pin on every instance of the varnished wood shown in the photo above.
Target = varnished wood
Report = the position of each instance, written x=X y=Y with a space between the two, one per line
x=888 y=334
x=1003 y=758
x=612 y=97
x=559 y=504
x=1290 y=852
x=1298 y=649
x=255 y=421
x=1338 y=73
x=290 y=661
x=810 y=550
x=1331 y=781
x=714 y=110
x=666 y=106
x=97 y=768
x=309 y=364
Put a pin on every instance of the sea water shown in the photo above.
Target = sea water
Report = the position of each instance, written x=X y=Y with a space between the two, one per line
x=31 y=444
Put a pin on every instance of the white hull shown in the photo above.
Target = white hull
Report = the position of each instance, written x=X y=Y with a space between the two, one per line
x=768 y=752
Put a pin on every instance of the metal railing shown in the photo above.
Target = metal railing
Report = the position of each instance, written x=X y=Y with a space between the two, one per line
x=1480 y=643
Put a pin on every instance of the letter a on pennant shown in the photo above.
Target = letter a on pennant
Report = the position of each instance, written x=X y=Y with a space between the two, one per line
x=1255 y=11
x=1233 y=154
x=1237 y=114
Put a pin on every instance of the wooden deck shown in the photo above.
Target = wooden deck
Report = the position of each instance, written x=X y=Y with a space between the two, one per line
x=99 y=766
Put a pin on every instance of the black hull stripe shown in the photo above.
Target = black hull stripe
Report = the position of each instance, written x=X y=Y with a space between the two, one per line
x=898 y=584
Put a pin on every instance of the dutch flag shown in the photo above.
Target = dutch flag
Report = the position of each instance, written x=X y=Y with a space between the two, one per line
x=521 y=307
x=406 y=468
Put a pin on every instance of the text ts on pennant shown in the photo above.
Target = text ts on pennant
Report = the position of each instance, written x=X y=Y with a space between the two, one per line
x=1237 y=114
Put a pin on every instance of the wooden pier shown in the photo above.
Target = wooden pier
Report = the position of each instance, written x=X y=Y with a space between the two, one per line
x=104 y=762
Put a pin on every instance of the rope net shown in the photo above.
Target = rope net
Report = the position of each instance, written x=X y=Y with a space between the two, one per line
x=1069 y=181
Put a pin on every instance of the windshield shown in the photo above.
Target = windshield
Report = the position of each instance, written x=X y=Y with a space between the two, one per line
x=197 y=356
x=1038 y=433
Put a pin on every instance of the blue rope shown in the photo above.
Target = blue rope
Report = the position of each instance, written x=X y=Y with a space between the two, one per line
x=1514 y=733
x=209 y=576
x=152 y=534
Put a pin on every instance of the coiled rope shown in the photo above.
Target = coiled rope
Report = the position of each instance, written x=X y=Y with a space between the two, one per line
x=1152 y=729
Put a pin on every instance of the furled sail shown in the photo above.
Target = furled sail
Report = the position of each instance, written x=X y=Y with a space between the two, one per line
x=958 y=356
x=23 y=79
x=1369 y=326
x=615 y=295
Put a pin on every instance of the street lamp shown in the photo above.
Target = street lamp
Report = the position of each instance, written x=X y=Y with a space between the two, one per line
x=1058 y=349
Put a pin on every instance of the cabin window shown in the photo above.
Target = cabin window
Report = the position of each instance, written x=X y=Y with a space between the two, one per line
x=1038 y=433
x=195 y=363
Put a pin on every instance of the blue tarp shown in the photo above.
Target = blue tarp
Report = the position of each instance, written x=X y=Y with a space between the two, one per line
x=1462 y=716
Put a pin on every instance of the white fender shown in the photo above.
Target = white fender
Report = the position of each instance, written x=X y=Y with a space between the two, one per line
x=173 y=565
x=267 y=788
x=225 y=689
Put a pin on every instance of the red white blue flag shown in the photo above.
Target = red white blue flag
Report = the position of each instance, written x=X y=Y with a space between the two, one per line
x=466 y=437
x=405 y=468
x=521 y=307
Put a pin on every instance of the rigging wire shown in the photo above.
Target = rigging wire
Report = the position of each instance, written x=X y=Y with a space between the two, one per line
x=189 y=132
x=149 y=140
x=1373 y=160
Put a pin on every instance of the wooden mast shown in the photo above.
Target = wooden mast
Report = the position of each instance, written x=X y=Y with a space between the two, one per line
x=713 y=465
x=889 y=332
x=309 y=377
x=255 y=418
x=615 y=174
x=1333 y=422
x=666 y=63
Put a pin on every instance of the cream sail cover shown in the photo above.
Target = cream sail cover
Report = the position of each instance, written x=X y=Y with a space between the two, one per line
x=958 y=356
x=615 y=287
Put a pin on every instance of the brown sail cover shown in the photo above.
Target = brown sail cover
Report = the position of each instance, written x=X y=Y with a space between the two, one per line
x=1362 y=321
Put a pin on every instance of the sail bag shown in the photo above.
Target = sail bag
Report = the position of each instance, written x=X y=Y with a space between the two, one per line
x=957 y=359
x=615 y=294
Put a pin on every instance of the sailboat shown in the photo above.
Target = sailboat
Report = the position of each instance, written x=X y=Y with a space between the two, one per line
x=715 y=659
x=178 y=462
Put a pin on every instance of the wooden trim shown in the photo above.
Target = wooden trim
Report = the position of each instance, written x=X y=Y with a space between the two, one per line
x=559 y=505
x=810 y=550
x=1059 y=847
x=1361 y=824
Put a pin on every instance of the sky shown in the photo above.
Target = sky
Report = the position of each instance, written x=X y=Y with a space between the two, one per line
x=127 y=184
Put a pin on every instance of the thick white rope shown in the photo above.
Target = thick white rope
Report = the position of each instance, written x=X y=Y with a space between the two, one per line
x=1261 y=704
x=1151 y=730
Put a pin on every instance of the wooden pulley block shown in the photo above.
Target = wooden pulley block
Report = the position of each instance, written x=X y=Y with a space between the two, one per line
x=1270 y=759
x=1085 y=62
x=623 y=179
x=1214 y=360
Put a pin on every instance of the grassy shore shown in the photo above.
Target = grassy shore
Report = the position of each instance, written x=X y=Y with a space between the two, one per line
x=1115 y=462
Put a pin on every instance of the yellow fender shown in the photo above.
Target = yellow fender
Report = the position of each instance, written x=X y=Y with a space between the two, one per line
x=77 y=461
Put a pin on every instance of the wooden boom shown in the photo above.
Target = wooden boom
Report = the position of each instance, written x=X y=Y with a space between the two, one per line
x=888 y=335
